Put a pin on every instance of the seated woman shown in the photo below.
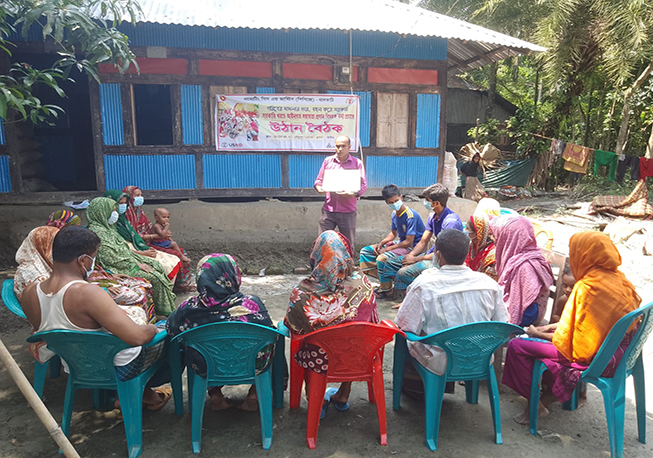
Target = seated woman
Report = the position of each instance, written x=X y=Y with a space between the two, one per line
x=62 y=218
x=139 y=221
x=336 y=292
x=524 y=274
x=220 y=299
x=115 y=255
x=481 y=257
x=170 y=263
x=601 y=297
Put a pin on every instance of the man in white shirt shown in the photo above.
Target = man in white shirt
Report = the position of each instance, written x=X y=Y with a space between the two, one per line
x=442 y=298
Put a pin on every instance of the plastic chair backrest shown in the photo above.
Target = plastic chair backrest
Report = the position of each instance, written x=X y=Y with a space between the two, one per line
x=558 y=262
x=352 y=347
x=89 y=355
x=10 y=300
x=542 y=229
x=507 y=211
x=229 y=348
x=469 y=347
x=614 y=338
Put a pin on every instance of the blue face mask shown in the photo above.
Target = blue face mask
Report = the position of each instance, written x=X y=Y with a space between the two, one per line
x=138 y=201
x=396 y=206
x=122 y=208
x=427 y=205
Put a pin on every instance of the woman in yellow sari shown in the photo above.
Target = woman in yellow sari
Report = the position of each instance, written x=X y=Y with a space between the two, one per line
x=601 y=297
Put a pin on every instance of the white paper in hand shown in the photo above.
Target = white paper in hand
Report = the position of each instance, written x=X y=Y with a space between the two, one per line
x=338 y=180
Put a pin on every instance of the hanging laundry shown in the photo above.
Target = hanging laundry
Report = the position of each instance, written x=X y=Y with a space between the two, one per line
x=626 y=163
x=645 y=168
x=577 y=154
x=558 y=147
x=606 y=158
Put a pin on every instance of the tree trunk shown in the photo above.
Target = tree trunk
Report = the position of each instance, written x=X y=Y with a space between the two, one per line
x=588 y=118
x=625 y=111
x=649 y=146
x=491 y=91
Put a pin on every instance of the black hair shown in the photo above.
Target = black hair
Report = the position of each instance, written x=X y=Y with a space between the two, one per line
x=437 y=193
x=73 y=241
x=390 y=190
x=453 y=245
x=567 y=269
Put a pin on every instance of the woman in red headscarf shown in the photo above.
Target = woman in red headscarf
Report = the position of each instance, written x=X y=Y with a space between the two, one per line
x=136 y=217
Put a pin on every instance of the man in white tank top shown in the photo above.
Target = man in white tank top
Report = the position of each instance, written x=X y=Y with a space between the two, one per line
x=67 y=301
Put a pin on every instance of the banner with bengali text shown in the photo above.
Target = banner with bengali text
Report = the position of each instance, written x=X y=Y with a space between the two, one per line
x=285 y=122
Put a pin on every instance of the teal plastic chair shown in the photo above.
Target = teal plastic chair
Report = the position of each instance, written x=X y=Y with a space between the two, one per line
x=469 y=350
x=612 y=388
x=229 y=349
x=89 y=356
x=40 y=370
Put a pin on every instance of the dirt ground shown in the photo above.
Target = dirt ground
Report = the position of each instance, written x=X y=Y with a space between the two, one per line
x=465 y=430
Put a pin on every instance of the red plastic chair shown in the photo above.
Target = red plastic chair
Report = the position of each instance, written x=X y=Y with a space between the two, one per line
x=355 y=353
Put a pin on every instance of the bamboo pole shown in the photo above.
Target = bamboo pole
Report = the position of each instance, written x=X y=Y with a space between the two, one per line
x=35 y=402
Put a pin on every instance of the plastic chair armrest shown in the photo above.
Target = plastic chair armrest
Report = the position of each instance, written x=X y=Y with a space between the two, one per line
x=283 y=329
x=159 y=337
x=413 y=337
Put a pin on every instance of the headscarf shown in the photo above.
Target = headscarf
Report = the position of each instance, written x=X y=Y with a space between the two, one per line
x=523 y=271
x=134 y=214
x=123 y=227
x=34 y=258
x=62 y=218
x=334 y=293
x=488 y=206
x=481 y=257
x=601 y=296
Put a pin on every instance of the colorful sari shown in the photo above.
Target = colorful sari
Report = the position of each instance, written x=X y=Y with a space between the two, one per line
x=601 y=297
x=137 y=219
x=62 y=218
x=481 y=257
x=523 y=272
x=114 y=254
x=335 y=293
x=219 y=299
x=34 y=258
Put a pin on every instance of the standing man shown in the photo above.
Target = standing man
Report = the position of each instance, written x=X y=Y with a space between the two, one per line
x=339 y=208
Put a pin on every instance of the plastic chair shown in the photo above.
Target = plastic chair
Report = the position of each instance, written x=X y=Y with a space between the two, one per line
x=612 y=388
x=542 y=229
x=229 y=349
x=469 y=350
x=355 y=354
x=40 y=370
x=89 y=356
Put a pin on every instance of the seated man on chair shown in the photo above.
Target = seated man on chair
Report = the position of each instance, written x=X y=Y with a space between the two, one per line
x=451 y=296
x=65 y=301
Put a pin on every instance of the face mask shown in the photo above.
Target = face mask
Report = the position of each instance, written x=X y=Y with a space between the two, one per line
x=396 y=206
x=122 y=208
x=88 y=272
x=113 y=218
x=427 y=204
x=138 y=201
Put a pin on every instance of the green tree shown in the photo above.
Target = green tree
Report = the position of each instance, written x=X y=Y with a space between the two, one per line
x=81 y=33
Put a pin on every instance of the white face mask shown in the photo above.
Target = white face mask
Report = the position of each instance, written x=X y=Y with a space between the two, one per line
x=138 y=201
x=396 y=206
x=88 y=272
x=122 y=208
x=113 y=219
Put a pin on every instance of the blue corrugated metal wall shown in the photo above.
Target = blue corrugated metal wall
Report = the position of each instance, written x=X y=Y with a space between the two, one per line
x=428 y=121
x=228 y=171
x=111 y=110
x=5 y=177
x=191 y=114
x=150 y=172
x=365 y=114
x=3 y=139
x=303 y=169
x=330 y=42
x=265 y=90
x=412 y=171
x=58 y=158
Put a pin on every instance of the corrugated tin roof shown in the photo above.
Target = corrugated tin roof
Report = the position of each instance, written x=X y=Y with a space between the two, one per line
x=469 y=45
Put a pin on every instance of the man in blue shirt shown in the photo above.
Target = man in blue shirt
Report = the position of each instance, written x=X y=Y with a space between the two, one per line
x=418 y=260
x=407 y=225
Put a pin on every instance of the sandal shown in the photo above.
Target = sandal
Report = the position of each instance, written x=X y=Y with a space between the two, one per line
x=383 y=294
x=341 y=406
x=166 y=393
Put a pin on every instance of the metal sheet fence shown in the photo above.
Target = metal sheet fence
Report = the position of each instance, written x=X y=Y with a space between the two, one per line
x=111 y=111
x=191 y=114
x=428 y=121
x=150 y=171
x=411 y=171
x=5 y=177
x=231 y=171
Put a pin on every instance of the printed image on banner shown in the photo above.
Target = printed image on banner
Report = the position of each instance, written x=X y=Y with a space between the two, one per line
x=285 y=122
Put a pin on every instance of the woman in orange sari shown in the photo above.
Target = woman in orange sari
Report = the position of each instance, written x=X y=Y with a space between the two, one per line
x=601 y=297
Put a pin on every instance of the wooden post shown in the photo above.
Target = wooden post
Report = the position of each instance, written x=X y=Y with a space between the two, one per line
x=36 y=404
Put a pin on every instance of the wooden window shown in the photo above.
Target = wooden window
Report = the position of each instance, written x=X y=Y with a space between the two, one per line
x=152 y=114
x=392 y=120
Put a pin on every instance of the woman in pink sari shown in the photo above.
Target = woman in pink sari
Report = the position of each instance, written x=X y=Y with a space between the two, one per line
x=137 y=219
x=523 y=272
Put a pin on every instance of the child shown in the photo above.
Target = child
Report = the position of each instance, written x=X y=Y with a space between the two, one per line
x=162 y=229
x=568 y=282
x=408 y=226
